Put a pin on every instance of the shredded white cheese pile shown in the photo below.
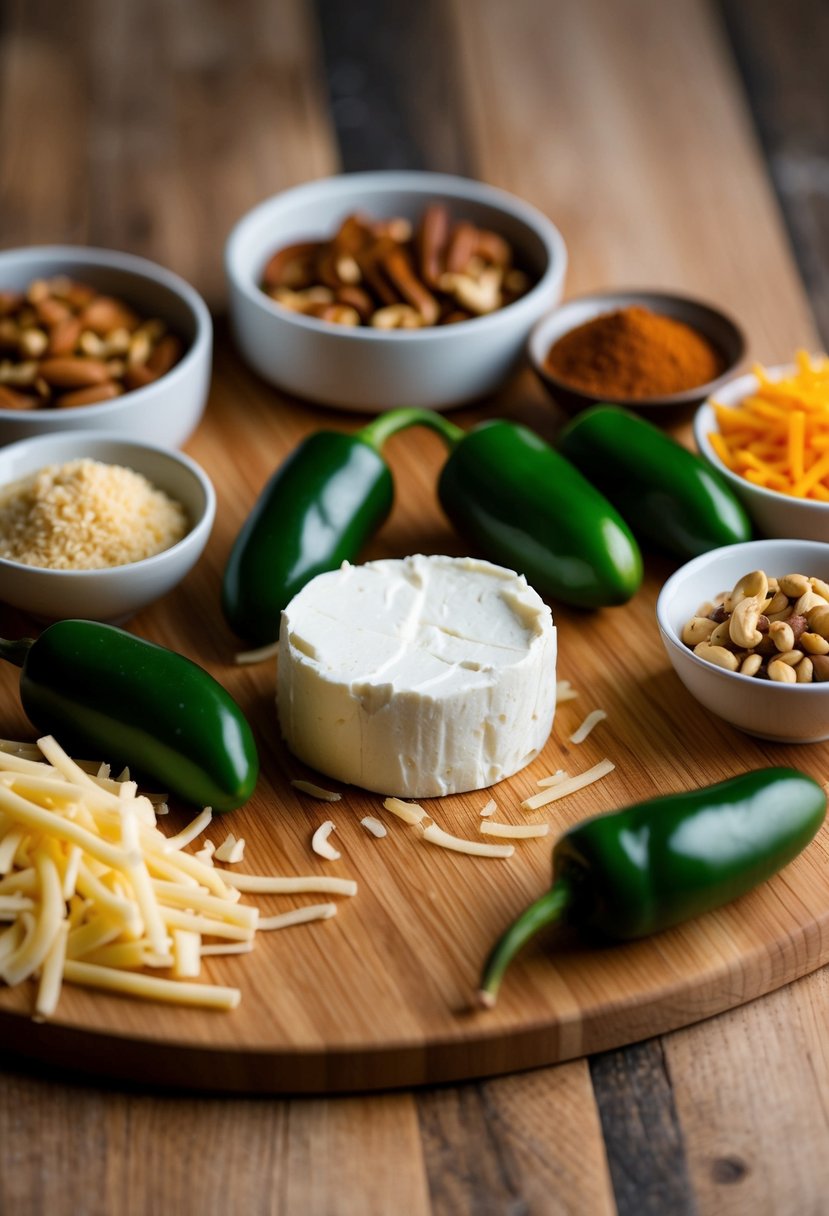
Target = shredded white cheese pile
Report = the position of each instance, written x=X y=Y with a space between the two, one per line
x=85 y=515
x=92 y=892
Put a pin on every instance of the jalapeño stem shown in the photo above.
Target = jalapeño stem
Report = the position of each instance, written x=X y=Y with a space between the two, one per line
x=547 y=910
x=388 y=424
x=15 y=652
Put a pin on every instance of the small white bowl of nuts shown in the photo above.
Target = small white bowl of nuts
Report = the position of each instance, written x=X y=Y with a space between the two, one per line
x=96 y=339
x=746 y=628
x=373 y=290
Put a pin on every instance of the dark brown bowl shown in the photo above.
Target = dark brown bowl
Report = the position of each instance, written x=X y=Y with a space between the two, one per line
x=720 y=330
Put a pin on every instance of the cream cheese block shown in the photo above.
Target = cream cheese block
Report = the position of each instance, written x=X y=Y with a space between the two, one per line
x=419 y=677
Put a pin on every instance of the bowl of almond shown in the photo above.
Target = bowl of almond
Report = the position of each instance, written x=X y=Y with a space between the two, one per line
x=373 y=290
x=96 y=339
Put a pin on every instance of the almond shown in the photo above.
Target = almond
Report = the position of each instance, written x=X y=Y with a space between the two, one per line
x=71 y=372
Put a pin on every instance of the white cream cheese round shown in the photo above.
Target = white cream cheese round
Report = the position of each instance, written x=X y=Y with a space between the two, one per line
x=419 y=677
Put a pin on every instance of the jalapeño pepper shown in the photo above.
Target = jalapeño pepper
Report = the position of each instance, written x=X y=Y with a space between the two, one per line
x=667 y=495
x=655 y=864
x=317 y=511
x=523 y=505
x=104 y=692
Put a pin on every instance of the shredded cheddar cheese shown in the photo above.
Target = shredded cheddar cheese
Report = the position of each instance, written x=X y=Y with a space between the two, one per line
x=778 y=437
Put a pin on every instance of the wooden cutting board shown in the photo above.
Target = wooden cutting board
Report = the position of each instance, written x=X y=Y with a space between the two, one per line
x=381 y=994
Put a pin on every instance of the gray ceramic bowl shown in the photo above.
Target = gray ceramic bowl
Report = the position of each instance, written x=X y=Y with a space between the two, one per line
x=370 y=369
x=165 y=412
x=116 y=593
x=775 y=514
x=723 y=333
x=783 y=713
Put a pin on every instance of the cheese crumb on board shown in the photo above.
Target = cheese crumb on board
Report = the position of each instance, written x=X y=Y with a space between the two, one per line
x=563 y=788
x=261 y=655
x=409 y=812
x=593 y=718
x=555 y=778
x=86 y=515
x=418 y=677
x=489 y=808
x=565 y=691
x=299 y=916
x=230 y=850
x=373 y=826
x=320 y=843
x=93 y=893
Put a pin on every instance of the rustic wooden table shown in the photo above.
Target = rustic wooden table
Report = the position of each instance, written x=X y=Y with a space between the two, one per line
x=151 y=127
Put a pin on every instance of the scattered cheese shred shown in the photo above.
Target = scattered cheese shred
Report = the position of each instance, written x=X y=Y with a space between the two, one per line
x=518 y=831
x=263 y=884
x=476 y=848
x=569 y=786
x=374 y=826
x=299 y=916
x=260 y=655
x=593 y=718
x=409 y=812
x=93 y=893
x=488 y=809
x=230 y=850
x=316 y=791
x=555 y=778
x=778 y=436
x=320 y=843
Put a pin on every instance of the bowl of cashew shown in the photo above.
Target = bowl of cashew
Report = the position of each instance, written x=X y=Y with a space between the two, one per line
x=373 y=290
x=746 y=629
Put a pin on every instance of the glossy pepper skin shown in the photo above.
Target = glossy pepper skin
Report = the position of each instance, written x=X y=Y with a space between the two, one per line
x=317 y=511
x=668 y=496
x=523 y=505
x=105 y=693
x=657 y=863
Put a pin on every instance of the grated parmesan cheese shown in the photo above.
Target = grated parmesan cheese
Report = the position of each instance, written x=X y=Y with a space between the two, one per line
x=86 y=515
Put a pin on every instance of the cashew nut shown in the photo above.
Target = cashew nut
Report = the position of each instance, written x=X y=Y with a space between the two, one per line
x=718 y=655
x=751 y=586
x=699 y=629
x=742 y=626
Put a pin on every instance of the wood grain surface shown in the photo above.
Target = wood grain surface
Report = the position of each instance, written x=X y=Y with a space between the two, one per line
x=627 y=123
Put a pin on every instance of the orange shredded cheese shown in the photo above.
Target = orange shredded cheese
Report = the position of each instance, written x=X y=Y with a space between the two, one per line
x=778 y=437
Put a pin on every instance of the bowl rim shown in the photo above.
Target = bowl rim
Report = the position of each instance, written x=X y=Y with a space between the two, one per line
x=742 y=386
x=695 y=566
x=418 y=182
x=624 y=297
x=138 y=267
x=202 y=525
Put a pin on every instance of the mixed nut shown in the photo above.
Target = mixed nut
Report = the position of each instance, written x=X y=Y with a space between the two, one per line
x=771 y=628
x=391 y=274
x=64 y=344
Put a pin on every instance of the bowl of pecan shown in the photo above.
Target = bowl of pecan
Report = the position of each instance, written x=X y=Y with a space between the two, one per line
x=373 y=290
x=96 y=339
x=746 y=628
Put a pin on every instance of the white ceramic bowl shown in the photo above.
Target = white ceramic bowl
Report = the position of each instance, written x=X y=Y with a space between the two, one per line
x=165 y=412
x=783 y=713
x=369 y=369
x=116 y=593
x=775 y=514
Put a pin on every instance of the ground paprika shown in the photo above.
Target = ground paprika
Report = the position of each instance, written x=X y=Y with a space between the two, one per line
x=633 y=353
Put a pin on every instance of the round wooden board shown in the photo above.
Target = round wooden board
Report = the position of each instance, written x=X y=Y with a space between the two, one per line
x=380 y=996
